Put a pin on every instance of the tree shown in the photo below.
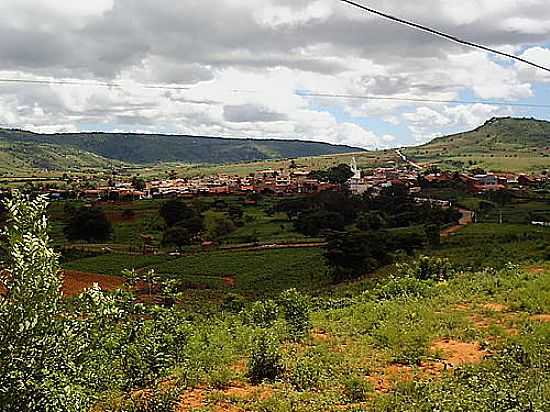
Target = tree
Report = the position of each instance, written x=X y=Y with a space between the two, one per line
x=37 y=349
x=175 y=211
x=236 y=215
x=313 y=223
x=352 y=254
x=89 y=224
x=138 y=183
x=338 y=175
x=219 y=227
x=433 y=234
x=177 y=236
x=370 y=221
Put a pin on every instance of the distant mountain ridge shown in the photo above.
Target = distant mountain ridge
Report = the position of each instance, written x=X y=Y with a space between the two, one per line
x=158 y=148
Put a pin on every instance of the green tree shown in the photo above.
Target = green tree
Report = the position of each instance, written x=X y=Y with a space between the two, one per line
x=177 y=236
x=219 y=226
x=89 y=224
x=370 y=221
x=175 y=211
x=38 y=349
x=352 y=254
x=433 y=234
x=138 y=183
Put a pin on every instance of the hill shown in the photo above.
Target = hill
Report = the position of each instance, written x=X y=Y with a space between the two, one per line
x=42 y=149
x=501 y=143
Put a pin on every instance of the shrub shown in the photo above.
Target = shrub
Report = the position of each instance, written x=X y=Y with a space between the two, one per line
x=296 y=308
x=428 y=268
x=307 y=373
x=262 y=314
x=357 y=389
x=406 y=288
x=233 y=303
x=265 y=362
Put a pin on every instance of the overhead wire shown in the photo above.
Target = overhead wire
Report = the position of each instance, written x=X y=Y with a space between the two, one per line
x=442 y=34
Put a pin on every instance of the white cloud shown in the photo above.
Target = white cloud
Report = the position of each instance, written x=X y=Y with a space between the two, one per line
x=267 y=49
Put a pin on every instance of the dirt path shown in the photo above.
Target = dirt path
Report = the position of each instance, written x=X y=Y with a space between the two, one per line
x=466 y=219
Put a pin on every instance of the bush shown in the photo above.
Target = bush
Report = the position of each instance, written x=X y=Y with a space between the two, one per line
x=357 y=389
x=405 y=288
x=296 y=308
x=262 y=314
x=233 y=303
x=265 y=362
x=307 y=373
x=177 y=236
x=428 y=268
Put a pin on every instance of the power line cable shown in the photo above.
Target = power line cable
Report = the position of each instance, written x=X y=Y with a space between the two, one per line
x=92 y=84
x=404 y=99
x=317 y=94
x=442 y=34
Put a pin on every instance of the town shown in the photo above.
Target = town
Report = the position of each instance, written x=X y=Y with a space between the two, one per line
x=289 y=181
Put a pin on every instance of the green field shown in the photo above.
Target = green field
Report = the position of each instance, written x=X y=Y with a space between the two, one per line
x=256 y=272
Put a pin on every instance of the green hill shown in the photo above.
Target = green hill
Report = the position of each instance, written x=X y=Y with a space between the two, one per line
x=501 y=143
x=98 y=148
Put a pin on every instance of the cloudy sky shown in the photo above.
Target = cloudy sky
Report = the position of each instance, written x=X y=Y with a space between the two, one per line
x=247 y=64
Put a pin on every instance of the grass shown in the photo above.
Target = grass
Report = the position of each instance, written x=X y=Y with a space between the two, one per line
x=444 y=350
x=256 y=272
x=489 y=244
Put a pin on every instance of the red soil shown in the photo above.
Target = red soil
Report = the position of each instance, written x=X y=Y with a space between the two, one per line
x=75 y=282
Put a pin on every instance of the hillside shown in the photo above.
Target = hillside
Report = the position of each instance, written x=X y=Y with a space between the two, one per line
x=501 y=143
x=25 y=158
x=148 y=149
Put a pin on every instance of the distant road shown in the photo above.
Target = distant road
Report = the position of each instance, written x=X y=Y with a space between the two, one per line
x=466 y=219
x=406 y=159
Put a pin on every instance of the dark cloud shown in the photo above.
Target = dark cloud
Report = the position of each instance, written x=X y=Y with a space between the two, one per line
x=250 y=113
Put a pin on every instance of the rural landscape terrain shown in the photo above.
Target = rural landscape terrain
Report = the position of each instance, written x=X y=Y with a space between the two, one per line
x=174 y=273
x=274 y=206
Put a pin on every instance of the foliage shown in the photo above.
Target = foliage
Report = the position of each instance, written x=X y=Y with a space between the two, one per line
x=89 y=224
x=371 y=221
x=265 y=362
x=314 y=223
x=357 y=389
x=39 y=349
x=338 y=175
x=308 y=372
x=138 y=183
x=177 y=236
x=176 y=212
x=261 y=313
x=403 y=288
x=353 y=254
x=433 y=235
x=296 y=310
x=218 y=227
x=428 y=268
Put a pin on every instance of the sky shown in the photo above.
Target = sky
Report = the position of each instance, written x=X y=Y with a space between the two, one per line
x=247 y=63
